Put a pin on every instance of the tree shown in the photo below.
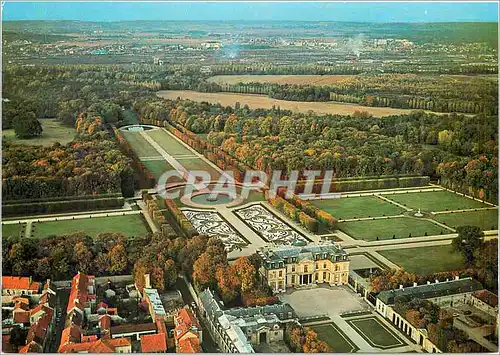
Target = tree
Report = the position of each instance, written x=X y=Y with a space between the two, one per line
x=118 y=259
x=140 y=269
x=245 y=271
x=170 y=273
x=18 y=336
x=27 y=126
x=82 y=257
x=469 y=239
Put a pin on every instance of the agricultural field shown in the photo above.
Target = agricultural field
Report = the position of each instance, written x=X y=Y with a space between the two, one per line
x=400 y=227
x=435 y=201
x=426 y=260
x=129 y=226
x=140 y=145
x=316 y=80
x=335 y=338
x=375 y=333
x=169 y=143
x=357 y=207
x=12 y=230
x=484 y=219
x=261 y=101
x=53 y=131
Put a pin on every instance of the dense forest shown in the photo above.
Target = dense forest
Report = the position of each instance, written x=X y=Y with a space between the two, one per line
x=460 y=150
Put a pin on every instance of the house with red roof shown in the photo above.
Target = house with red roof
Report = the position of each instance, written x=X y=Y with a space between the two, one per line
x=154 y=343
x=18 y=285
x=189 y=346
x=187 y=327
x=101 y=346
x=82 y=295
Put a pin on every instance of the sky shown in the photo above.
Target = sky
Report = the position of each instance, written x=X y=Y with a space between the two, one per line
x=224 y=11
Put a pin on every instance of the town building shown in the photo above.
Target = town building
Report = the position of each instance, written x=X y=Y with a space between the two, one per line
x=445 y=294
x=236 y=330
x=17 y=286
x=187 y=332
x=304 y=264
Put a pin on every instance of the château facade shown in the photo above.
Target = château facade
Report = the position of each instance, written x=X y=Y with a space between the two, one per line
x=298 y=265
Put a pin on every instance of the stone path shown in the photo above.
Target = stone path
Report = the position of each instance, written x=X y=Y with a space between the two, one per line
x=467 y=210
x=395 y=203
x=370 y=218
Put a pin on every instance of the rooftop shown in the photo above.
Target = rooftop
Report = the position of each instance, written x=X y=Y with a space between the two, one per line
x=296 y=253
x=432 y=290
x=154 y=343
x=154 y=299
x=487 y=297
x=19 y=283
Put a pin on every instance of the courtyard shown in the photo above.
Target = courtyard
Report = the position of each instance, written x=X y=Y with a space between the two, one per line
x=318 y=301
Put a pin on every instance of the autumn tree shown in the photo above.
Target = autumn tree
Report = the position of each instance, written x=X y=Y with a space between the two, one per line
x=118 y=259
x=469 y=239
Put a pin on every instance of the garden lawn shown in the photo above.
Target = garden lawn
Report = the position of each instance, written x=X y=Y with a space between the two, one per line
x=200 y=164
x=141 y=146
x=12 y=230
x=355 y=207
x=128 y=225
x=335 y=338
x=435 y=201
x=158 y=167
x=375 y=333
x=169 y=143
x=401 y=227
x=426 y=260
x=484 y=219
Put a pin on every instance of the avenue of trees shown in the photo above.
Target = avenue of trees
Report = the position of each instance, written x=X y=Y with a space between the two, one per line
x=410 y=91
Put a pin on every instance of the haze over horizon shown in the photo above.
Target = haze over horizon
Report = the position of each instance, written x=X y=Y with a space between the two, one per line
x=195 y=11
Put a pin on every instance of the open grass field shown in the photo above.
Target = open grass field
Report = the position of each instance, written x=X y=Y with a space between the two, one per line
x=129 y=226
x=53 y=131
x=169 y=143
x=141 y=146
x=435 y=201
x=375 y=333
x=262 y=101
x=316 y=80
x=426 y=260
x=384 y=229
x=484 y=219
x=199 y=164
x=335 y=338
x=12 y=230
x=158 y=167
x=355 y=207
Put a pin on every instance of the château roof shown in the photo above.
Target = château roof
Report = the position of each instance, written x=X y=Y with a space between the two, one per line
x=432 y=290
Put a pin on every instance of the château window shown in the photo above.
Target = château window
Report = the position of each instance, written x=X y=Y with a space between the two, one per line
x=293 y=268
x=324 y=266
x=305 y=268
x=280 y=273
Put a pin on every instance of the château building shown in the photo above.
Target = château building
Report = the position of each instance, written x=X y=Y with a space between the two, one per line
x=304 y=264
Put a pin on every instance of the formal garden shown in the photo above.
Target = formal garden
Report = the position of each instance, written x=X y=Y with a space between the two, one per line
x=268 y=226
x=335 y=338
x=375 y=333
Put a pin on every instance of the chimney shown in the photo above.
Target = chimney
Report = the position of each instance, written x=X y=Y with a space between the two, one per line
x=457 y=277
x=414 y=284
x=147 y=282
x=30 y=280
x=436 y=281
x=400 y=287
